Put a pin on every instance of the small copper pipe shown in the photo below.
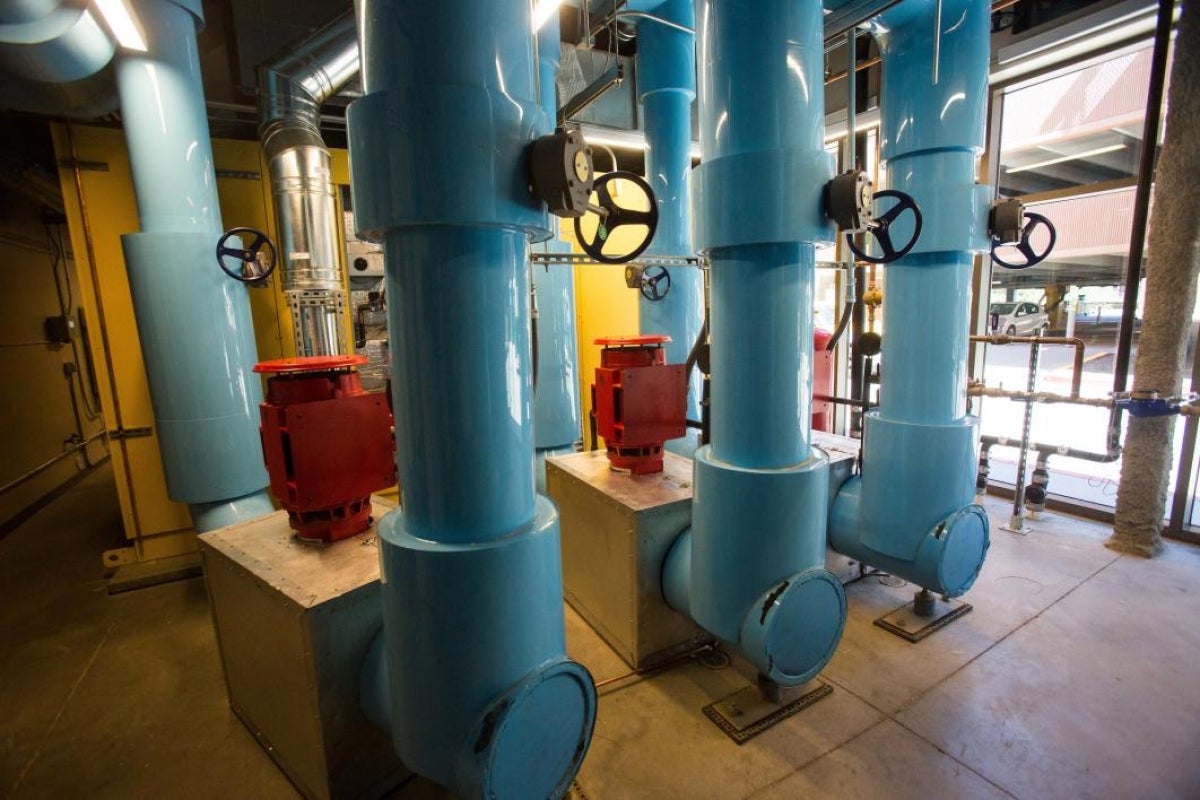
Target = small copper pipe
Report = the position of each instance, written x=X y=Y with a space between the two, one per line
x=1069 y=341
x=837 y=76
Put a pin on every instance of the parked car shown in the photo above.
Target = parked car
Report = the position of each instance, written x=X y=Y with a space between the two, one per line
x=1018 y=319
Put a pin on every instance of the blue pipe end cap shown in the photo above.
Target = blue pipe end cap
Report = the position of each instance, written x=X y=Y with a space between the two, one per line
x=792 y=631
x=531 y=741
x=965 y=541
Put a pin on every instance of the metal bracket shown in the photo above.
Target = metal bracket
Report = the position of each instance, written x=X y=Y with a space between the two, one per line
x=745 y=713
x=130 y=433
x=906 y=623
x=86 y=166
x=583 y=258
x=610 y=78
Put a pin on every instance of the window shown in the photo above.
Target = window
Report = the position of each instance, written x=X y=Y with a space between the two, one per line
x=1070 y=147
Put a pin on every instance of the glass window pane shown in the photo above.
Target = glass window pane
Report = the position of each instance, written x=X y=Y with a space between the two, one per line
x=1077 y=128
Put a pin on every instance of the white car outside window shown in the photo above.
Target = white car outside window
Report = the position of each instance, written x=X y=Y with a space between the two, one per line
x=1018 y=319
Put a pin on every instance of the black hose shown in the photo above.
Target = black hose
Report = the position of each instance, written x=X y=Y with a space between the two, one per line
x=694 y=354
x=843 y=323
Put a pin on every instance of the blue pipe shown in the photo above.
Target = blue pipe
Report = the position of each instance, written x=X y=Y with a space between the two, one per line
x=666 y=70
x=556 y=425
x=751 y=568
x=481 y=696
x=55 y=42
x=196 y=333
x=911 y=511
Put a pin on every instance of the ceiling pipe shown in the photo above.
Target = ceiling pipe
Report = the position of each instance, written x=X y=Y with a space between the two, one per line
x=666 y=69
x=292 y=89
x=480 y=696
x=194 y=322
x=911 y=511
x=751 y=568
x=55 y=55
x=53 y=42
x=556 y=421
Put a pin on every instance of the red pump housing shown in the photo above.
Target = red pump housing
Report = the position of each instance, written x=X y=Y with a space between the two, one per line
x=327 y=443
x=639 y=400
x=822 y=410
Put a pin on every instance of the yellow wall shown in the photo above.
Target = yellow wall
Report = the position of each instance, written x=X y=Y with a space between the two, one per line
x=152 y=520
x=604 y=306
x=35 y=396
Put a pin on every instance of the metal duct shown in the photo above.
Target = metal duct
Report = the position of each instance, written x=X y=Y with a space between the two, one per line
x=292 y=90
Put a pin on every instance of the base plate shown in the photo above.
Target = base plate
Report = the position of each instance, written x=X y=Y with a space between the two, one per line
x=745 y=714
x=907 y=624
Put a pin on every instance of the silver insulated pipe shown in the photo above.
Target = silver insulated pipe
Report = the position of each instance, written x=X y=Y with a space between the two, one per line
x=292 y=89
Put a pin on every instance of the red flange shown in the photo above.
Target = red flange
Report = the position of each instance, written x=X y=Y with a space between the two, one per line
x=327 y=443
x=639 y=401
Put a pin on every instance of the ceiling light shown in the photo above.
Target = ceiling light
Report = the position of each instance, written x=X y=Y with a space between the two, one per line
x=122 y=24
x=542 y=10
x=1061 y=159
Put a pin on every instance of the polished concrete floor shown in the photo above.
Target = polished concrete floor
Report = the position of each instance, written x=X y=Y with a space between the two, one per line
x=1077 y=675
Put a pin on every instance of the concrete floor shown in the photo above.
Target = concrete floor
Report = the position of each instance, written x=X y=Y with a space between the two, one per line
x=1077 y=675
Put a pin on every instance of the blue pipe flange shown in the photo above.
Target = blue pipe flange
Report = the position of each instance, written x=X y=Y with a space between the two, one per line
x=793 y=629
x=531 y=741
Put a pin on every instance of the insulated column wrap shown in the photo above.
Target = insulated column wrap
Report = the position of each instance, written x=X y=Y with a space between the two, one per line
x=194 y=322
x=666 y=69
x=556 y=399
x=912 y=511
x=482 y=697
x=751 y=569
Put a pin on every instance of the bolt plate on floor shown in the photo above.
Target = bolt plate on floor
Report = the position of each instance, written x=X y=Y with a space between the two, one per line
x=907 y=624
x=745 y=714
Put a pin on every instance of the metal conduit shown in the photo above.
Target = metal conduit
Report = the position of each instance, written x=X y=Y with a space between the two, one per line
x=292 y=89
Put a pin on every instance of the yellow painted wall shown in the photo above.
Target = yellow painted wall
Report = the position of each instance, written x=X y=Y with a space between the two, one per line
x=100 y=208
x=35 y=397
x=604 y=306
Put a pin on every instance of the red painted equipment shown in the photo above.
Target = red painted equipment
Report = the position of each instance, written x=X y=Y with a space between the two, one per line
x=639 y=400
x=822 y=410
x=328 y=444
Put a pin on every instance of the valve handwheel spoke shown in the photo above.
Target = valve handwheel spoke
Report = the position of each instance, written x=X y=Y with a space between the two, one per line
x=256 y=262
x=616 y=216
x=881 y=229
x=1025 y=246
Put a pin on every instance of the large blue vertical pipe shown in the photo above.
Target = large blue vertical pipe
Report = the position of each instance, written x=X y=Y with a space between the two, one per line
x=751 y=569
x=194 y=322
x=481 y=696
x=556 y=392
x=666 y=73
x=911 y=512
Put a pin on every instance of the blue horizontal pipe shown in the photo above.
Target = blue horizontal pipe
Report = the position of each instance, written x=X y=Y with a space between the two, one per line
x=481 y=697
x=911 y=511
x=195 y=327
x=751 y=568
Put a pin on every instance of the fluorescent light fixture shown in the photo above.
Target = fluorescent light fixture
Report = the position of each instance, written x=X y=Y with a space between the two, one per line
x=542 y=10
x=1062 y=159
x=122 y=24
x=623 y=139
